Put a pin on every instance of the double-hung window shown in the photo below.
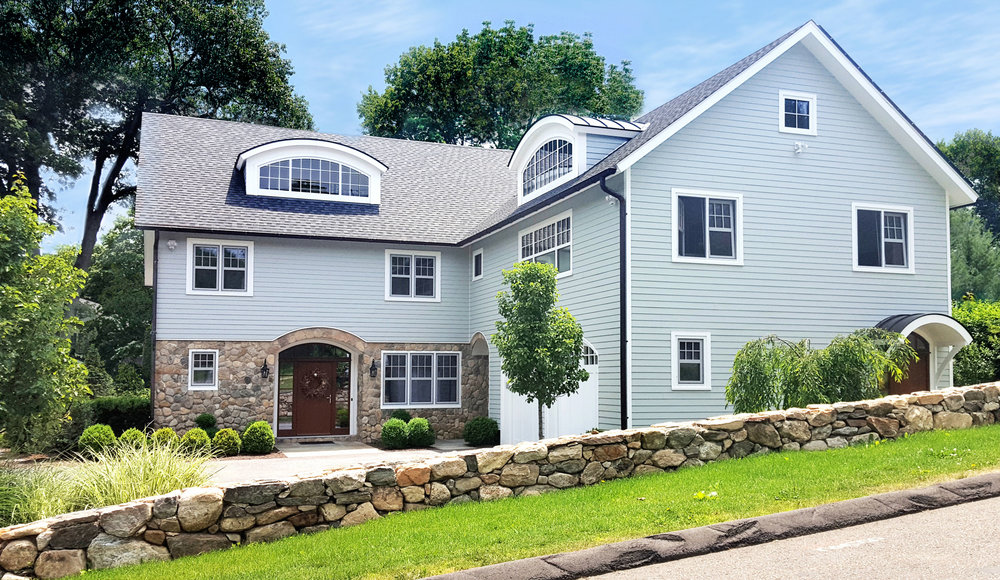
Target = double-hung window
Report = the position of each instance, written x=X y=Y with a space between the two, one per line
x=220 y=267
x=421 y=379
x=203 y=370
x=550 y=243
x=796 y=113
x=691 y=361
x=412 y=275
x=883 y=238
x=707 y=227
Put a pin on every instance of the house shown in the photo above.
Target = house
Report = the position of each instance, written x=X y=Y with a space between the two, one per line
x=320 y=282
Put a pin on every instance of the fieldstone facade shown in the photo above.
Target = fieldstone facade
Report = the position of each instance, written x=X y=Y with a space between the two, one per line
x=243 y=396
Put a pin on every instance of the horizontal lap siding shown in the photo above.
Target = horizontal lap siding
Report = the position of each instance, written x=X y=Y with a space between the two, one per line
x=600 y=146
x=797 y=280
x=590 y=293
x=305 y=283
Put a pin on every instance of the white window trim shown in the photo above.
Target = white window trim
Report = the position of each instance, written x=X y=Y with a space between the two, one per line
x=910 y=251
x=408 y=405
x=482 y=264
x=675 y=223
x=215 y=357
x=253 y=160
x=706 y=361
x=813 y=113
x=189 y=285
x=388 y=277
x=538 y=225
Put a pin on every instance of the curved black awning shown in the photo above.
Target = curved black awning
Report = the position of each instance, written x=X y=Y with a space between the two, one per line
x=940 y=329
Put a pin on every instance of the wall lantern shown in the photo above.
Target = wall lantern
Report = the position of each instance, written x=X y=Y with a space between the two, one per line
x=373 y=370
x=264 y=370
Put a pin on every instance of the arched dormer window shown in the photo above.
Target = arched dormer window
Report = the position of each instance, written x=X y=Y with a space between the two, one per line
x=312 y=169
x=550 y=162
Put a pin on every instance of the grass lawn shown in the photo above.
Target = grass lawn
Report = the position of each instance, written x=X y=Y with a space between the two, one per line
x=435 y=541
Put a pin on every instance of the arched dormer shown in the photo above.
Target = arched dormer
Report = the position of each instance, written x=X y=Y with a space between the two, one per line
x=312 y=169
x=558 y=148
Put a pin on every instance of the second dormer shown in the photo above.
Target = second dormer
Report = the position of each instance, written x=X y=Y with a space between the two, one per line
x=312 y=169
x=558 y=148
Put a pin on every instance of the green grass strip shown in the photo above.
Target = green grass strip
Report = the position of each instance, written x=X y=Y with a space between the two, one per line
x=416 y=544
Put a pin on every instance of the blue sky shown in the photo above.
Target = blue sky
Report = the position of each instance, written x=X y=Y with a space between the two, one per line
x=939 y=61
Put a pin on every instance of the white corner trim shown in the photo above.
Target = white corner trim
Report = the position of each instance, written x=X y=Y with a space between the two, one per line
x=911 y=251
x=434 y=378
x=482 y=264
x=148 y=241
x=737 y=217
x=958 y=190
x=541 y=224
x=813 y=112
x=251 y=161
x=706 y=384
x=438 y=273
x=189 y=260
x=215 y=375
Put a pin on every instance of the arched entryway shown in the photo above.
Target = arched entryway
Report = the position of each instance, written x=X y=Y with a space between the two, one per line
x=315 y=390
x=937 y=338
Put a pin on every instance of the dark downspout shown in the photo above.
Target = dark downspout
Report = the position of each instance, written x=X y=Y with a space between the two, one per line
x=622 y=304
x=152 y=329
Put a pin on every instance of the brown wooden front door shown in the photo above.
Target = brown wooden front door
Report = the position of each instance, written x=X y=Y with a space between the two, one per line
x=313 y=399
x=919 y=376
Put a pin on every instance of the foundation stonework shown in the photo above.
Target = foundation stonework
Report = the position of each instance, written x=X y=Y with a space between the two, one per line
x=243 y=397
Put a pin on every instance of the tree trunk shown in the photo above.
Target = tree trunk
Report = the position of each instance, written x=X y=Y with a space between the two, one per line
x=540 y=408
x=91 y=227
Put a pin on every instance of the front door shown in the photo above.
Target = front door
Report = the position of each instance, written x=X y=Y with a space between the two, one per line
x=314 y=397
x=918 y=377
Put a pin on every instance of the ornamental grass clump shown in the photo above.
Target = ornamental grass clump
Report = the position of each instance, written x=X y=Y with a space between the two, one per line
x=33 y=493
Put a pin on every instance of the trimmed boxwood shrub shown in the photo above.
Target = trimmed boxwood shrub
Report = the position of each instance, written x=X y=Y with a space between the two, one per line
x=196 y=440
x=402 y=415
x=481 y=431
x=258 y=438
x=227 y=442
x=121 y=412
x=394 y=434
x=132 y=438
x=96 y=438
x=419 y=433
x=206 y=421
x=165 y=436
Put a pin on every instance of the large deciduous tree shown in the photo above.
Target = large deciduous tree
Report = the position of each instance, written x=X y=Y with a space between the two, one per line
x=977 y=154
x=38 y=377
x=539 y=344
x=78 y=74
x=487 y=88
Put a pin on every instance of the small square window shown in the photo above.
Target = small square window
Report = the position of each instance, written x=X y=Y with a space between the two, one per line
x=796 y=113
x=203 y=368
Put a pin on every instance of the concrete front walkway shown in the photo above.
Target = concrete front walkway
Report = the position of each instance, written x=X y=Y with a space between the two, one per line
x=301 y=458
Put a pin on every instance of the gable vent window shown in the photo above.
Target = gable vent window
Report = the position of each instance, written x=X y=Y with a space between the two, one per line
x=551 y=243
x=797 y=113
x=549 y=163
x=308 y=175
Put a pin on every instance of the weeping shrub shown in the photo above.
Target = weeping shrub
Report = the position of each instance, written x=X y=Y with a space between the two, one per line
x=773 y=373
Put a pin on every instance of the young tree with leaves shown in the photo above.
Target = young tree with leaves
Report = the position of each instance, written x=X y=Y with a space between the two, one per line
x=488 y=88
x=82 y=72
x=539 y=344
x=38 y=377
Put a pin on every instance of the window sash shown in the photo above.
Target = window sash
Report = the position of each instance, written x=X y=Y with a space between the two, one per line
x=796 y=113
x=412 y=276
x=551 y=243
x=882 y=238
x=421 y=378
x=311 y=175
x=477 y=265
x=204 y=368
x=227 y=265
x=690 y=357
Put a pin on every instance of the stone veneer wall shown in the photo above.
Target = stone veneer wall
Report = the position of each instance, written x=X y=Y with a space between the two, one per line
x=243 y=396
x=197 y=520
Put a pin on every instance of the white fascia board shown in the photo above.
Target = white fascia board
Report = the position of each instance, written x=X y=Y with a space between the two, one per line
x=959 y=192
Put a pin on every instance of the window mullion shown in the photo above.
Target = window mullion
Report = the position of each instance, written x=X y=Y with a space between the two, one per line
x=434 y=378
x=409 y=375
x=881 y=239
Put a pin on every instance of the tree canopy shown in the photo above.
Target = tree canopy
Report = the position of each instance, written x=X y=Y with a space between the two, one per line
x=976 y=153
x=78 y=74
x=975 y=257
x=487 y=88
x=539 y=344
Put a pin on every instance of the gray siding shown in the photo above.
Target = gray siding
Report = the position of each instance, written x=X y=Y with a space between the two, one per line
x=590 y=293
x=600 y=146
x=302 y=283
x=798 y=280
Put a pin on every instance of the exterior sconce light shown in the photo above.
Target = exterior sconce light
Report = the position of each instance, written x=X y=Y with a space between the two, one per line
x=373 y=370
x=264 y=370
x=171 y=245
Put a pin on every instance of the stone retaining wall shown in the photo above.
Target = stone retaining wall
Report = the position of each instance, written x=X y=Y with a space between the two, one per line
x=197 y=520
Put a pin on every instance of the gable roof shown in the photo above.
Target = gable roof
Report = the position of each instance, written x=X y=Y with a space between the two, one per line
x=431 y=192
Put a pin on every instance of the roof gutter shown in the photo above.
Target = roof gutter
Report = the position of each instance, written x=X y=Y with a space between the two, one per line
x=622 y=304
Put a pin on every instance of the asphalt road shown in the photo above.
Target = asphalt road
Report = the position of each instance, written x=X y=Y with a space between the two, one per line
x=954 y=542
